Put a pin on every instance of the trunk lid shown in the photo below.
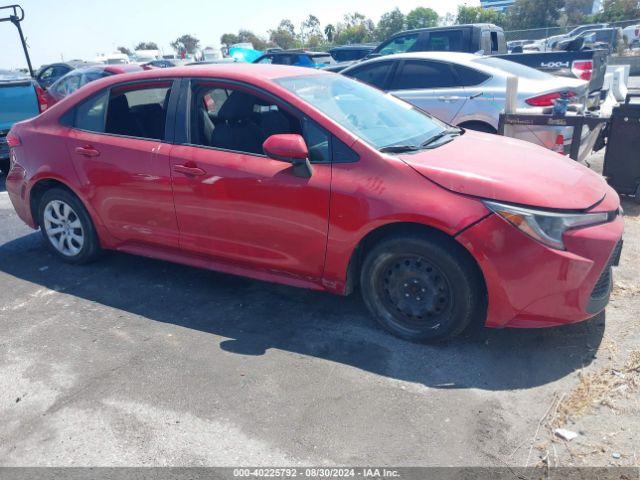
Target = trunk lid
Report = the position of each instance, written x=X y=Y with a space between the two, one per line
x=509 y=170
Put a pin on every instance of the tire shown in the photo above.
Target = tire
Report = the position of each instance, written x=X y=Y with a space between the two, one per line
x=479 y=127
x=4 y=167
x=75 y=239
x=422 y=289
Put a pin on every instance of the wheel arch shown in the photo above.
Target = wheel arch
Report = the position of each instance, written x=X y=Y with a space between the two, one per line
x=397 y=229
x=39 y=188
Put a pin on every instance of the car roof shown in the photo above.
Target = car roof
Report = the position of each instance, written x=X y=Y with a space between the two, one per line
x=247 y=72
x=448 y=27
x=455 y=57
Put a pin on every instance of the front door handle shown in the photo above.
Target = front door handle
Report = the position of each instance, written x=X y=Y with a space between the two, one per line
x=189 y=170
x=87 y=151
x=448 y=99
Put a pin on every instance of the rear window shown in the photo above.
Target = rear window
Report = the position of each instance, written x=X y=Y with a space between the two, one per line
x=513 y=68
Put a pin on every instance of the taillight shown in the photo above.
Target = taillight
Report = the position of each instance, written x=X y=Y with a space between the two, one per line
x=42 y=99
x=13 y=140
x=583 y=69
x=547 y=99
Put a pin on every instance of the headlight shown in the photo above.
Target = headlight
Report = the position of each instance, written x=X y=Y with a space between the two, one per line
x=545 y=227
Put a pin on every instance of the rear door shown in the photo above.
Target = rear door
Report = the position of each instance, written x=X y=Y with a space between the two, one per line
x=431 y=86
x=118 y=148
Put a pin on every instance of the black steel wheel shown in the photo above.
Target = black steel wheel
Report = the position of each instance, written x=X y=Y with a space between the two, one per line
x=422 y=289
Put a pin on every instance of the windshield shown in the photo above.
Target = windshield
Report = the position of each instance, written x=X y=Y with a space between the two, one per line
x=377 y=118
x=513 y=68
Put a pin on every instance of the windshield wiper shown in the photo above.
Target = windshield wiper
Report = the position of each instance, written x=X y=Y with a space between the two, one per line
x=444 y=133
x=399 y=148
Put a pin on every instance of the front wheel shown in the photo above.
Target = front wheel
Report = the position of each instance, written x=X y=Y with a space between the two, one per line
x=422 y=289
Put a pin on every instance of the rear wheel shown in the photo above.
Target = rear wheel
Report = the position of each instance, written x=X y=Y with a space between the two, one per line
x=421 y=289
x=67 y=228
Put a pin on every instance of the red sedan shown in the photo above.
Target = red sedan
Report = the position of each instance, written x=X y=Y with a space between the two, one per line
x=314 y=180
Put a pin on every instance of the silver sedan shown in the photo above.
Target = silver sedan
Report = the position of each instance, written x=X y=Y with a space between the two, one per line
x=469 y=90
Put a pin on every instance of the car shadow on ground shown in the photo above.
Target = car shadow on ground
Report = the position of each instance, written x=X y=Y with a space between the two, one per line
x=3 y=187
x=256 y=316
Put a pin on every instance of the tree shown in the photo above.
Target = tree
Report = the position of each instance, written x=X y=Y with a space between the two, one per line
x=447 y=20
x=356 y=28
x=576 y=11
x=421 y=17
x=147 y=46
x=229 y=39
x=525 y=14
x=618 y=10
x=185 y=44
x=479 y=15
x=390 y=23
x=310 y=31
x=284 y=36
x=329 y=32
x=248 y=36
x=125 y=50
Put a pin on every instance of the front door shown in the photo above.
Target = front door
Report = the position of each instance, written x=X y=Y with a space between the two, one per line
x=117 y=151
x=235 y=204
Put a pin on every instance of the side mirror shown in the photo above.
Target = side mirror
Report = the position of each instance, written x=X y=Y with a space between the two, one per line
x=289 y=148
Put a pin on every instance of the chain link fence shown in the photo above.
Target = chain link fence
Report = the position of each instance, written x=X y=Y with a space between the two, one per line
x=540 y=33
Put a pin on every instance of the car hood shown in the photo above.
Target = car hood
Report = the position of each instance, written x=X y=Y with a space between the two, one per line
x=509 y=170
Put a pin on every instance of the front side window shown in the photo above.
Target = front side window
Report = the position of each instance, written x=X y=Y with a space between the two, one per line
x=374 y=74
x=445 y=41
x=377 y=118
x=234 y=119
x=417 y=74
x=266 y=60
x=399 y=45
x=138 y=110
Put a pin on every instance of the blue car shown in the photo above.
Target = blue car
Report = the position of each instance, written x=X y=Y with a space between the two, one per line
x=20 y=100
x=297 y=58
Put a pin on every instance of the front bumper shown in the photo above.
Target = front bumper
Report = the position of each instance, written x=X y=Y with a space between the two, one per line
x=530 y=285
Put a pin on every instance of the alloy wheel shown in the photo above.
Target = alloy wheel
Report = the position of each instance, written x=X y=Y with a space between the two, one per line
x=63 y=228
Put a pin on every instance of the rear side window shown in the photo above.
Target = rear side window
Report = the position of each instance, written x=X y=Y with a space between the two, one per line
x=90 y=114
x=469 y=77
x=418 y=74
x=138 y=110
x=373 y=74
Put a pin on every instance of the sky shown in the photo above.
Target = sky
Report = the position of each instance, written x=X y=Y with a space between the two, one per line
x=69 y=29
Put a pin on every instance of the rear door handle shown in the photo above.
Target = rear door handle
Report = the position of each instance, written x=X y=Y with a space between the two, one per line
x=189 y=170
x=87 y=151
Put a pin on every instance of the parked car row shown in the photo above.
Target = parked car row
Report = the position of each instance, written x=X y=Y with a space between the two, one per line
x=469 y=90
x=315 y=180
